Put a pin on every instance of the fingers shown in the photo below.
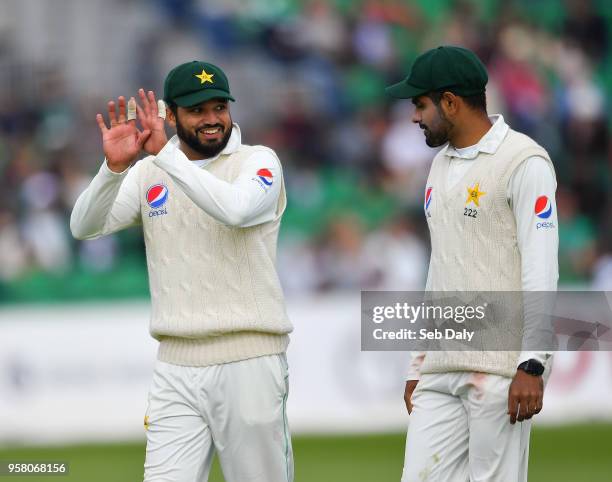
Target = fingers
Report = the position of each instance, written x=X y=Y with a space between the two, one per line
x=141 y=115
x=142 y=138
x=112 y=114
x=161 y=108
x=525 y=397
x=131 y=110
x=523 y=412
x=149 y=104
x=524 y=407
x=101 y=124
x=145 y=102
x=518 y=409
x=158 y=108
x=538 y=406
x=151 y=107
x=534 y=405
x=152 y=103
x=513 y=406
x=122 y=112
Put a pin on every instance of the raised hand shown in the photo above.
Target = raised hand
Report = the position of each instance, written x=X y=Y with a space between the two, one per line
x=123 y=141
x=150 y=119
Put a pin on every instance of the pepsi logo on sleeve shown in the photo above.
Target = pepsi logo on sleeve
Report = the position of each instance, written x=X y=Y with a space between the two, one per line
x=543 y=210
x=427 y=201
x=543 y=207
x=264 y=178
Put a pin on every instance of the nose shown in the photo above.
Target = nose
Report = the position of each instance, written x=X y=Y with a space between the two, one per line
x=416 y=117
x=210 y=117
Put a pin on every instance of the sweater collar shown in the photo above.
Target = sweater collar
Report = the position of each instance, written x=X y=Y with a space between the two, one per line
x=489 y=143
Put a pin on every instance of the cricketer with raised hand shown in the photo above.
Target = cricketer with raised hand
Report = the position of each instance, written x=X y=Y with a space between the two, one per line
x=210 y=208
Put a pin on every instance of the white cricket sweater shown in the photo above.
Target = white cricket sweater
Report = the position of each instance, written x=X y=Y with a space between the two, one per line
x=210 y=235
x=477 y=252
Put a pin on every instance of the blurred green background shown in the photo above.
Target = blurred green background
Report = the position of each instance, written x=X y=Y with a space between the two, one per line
x=354 y=164
x=308 y=76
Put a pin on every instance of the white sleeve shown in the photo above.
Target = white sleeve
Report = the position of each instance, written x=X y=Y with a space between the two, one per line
x=110 y=203
x=417 y=357
x=414 y=367
x=249 y=200
x=537 y=237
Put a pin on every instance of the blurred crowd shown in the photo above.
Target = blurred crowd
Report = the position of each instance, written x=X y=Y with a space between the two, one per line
x=309 y=79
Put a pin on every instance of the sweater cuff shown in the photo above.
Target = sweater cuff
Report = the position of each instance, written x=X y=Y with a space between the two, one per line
x=541 y=356
x=106 y=171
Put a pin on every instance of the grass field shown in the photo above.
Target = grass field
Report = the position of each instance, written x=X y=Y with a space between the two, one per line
x=575 y=453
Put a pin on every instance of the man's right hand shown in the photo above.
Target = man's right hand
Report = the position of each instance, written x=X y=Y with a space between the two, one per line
x=410 y=386
x=123 y=141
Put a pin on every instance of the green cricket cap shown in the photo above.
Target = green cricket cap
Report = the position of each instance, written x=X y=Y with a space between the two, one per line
x=445 y=68
x=195 y=82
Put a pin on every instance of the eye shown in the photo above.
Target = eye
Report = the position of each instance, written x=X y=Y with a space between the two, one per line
x=220 y=107
x=195 y=110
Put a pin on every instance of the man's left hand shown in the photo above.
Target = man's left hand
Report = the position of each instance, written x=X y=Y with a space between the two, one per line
x=151 y=119
x=525 y=396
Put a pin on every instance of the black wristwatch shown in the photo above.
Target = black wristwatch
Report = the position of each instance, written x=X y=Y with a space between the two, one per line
x=533 y=367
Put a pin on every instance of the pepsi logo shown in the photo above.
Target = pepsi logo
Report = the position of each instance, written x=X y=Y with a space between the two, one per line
x=157 y=195
x=543 y=207
x=265 y=176
x=428 y=197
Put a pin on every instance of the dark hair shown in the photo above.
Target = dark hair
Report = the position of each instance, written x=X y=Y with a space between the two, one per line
x=173 y=107
x=476 y=102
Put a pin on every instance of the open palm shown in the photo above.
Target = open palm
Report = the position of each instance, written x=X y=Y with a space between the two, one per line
x=150 y=119
x=123 y=141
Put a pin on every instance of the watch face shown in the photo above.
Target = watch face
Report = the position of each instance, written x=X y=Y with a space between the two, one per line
x=534 y=367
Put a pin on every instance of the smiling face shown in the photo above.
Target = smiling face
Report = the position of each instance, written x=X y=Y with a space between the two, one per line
x=432 y=120
x=204 y=129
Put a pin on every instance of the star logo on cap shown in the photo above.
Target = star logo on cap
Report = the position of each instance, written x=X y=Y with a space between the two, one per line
x=474 y=194
x=205 y=77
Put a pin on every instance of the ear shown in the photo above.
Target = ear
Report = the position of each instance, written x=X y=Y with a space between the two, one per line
x=170 y=117
x=449 y=103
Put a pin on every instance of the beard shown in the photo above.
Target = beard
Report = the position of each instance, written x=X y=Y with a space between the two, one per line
x=435 y=139
x=206 y=149
x=437 y=133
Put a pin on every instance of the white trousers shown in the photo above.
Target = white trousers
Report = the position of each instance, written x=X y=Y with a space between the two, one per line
x=236 y=409
x=460 y=431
